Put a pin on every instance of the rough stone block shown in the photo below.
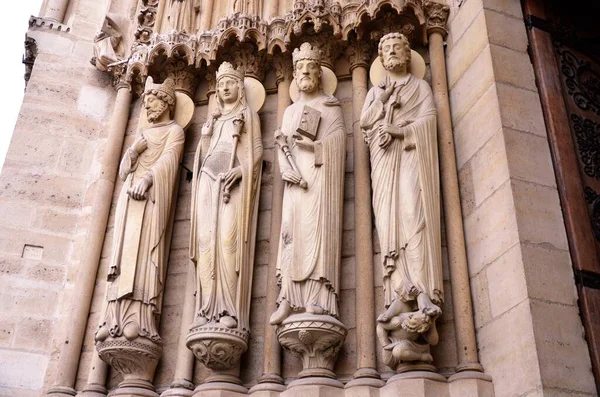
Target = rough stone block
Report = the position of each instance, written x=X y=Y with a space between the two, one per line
x=529 y=157
x=465 y=185
x=539 y=214
x=55 y=220
x=476 y=79
x=466 y=47
x=489 y=168
x=506 y=31
x=520 y=109
x=481 y=301
x=510 y=7
x=491 y=229
x=513 y=67
x=471 y=388
x=506 y=281
x=563 y=353
x=414 y=388
x=512 y=362
x=465 y=17
x=22 y=370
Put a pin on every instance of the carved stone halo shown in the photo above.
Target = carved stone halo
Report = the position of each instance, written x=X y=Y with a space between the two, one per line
x=255 y=93
x=328 y=82
x=184 y=111
x=417 y=68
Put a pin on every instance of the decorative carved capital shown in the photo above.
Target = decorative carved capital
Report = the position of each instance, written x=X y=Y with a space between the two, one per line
x=407 y=29
x=182 y=74
x=283 y=68
x=437 y=17
x=249 y=58
x=216 y=346
x=211 y=78
x=359 y=55
x=136 y=360
x=331 y=48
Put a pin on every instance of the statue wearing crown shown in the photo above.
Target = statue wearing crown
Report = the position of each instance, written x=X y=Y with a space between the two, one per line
x=227 y=171
x=128 y=337
x=312 y=142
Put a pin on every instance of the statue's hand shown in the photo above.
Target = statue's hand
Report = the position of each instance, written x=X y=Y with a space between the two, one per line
x=140 y=145
x=304 y=143
x=385 y=140
x=207 y=128
x=392 y=130
x=387 y=92
x=291 y=176
x=231 y=177
x=139 y=191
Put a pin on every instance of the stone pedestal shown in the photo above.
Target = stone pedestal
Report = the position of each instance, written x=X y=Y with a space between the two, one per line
x=415 y=384
x=471 y=384
x=219 y=348
x=220 y=389
x=314 y=387
x=315 y=339
x=136 y=360
x=181 y=388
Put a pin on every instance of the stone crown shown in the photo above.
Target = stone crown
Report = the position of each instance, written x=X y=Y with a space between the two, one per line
x=307 y=51
x=227 y=69
x=167 y=87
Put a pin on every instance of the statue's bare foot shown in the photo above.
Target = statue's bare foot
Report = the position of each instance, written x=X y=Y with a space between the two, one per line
x=199 y=322
x=426 y=305
x=228 y=321
x=314 y=309
x=281 y=313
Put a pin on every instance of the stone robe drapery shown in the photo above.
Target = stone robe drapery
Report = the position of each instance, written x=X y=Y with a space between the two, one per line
x=222 y=237
x=309 y=256
x=139 y=255
x=182 y=16
x=406 y=195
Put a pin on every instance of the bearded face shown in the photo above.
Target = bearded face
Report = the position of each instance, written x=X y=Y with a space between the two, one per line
x=155 y=107
x=393 y=55
x=307 y=74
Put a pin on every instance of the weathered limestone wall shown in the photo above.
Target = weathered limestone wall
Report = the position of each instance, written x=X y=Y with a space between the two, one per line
x=46 y=192
x=529 y=332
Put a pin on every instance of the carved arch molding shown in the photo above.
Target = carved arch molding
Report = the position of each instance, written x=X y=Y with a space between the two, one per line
x=256 y=44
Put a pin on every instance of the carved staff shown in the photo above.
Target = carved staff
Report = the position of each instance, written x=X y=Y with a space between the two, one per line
x=281 y=141
x=238 y=124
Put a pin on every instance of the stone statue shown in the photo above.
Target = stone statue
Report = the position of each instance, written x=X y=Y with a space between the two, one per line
x=227 y=171
x=399 y=125
x=312 y=140
x=182 y=15
x=108 y=47
x=138 y=263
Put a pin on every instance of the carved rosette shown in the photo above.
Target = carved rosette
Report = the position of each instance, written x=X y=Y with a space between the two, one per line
x=216 y=346
x=136 y=360
x=315 y=339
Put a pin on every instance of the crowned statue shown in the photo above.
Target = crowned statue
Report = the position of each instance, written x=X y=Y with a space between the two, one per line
x=399 y=125
x=312 y=142
x=227 y=172
x=138 y=262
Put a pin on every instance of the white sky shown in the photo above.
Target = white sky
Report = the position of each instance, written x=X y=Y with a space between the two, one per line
x=12 y=30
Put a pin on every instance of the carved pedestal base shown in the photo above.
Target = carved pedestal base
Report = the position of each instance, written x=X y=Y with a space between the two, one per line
x=219 y=348
x=415 y=384
x=471 y=383
x=94 y=390
x=179 y=388
x=136 y=360
x=315 y=339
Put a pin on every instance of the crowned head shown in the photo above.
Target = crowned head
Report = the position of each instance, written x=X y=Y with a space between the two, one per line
x=307 y=67
x=394 y=51
x=230 y=84
x=158 y=98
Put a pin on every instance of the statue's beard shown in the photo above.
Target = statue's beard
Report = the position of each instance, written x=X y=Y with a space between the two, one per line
x=307 y=84
x=153 y=115
x=395 y=64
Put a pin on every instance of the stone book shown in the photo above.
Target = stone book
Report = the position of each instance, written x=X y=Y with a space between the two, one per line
x=309 y=123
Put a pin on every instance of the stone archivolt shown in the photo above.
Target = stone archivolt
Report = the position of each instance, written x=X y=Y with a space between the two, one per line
x=331 y=22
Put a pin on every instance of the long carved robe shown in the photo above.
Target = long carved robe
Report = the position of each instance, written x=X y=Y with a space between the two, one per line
x=222 y=237
x=406 y=195
x=182 y=15
x=309 y=256
x=141 y=233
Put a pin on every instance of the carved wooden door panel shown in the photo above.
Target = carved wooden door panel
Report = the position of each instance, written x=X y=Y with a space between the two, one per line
x=580 y=77
x=564 y=44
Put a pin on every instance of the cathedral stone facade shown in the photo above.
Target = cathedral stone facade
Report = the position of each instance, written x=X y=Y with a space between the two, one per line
x=303 y=197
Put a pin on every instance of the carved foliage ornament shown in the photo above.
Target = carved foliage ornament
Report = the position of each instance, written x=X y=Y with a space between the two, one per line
x=587 y=136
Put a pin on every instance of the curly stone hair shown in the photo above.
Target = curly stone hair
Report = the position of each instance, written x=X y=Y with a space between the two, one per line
x=170 y=101
x=395 y=36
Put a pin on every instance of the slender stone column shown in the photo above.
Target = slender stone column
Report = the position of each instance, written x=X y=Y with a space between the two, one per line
x=271 y=377
x=466 y=345
x=270 y=9
x=206 y=15
x=56 y=10
x=366 y=374
x=88 y=267
x=96 y=386
x=183 y=385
